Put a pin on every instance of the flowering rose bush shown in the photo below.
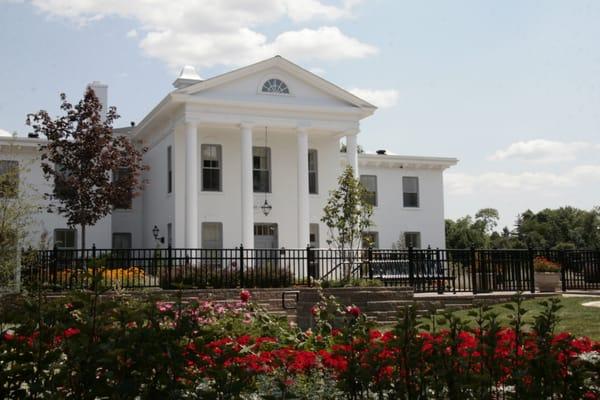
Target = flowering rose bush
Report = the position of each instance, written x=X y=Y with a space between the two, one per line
x=84 y=347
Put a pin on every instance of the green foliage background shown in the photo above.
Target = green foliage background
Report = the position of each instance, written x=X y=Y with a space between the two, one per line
x=561 y=228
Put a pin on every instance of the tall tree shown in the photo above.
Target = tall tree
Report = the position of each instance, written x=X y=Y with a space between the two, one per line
x=347 y=213
x=81 y=157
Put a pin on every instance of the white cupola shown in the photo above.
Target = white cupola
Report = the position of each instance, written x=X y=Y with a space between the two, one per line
x=188 y=76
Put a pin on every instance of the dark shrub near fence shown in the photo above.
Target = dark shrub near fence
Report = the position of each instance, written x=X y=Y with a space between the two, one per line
x=425 y=270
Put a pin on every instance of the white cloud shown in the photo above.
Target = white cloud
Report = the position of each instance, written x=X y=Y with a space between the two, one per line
x=221 y=32
x=538 y=182
x=380 y=98
x=541 y=150
x=132 y=33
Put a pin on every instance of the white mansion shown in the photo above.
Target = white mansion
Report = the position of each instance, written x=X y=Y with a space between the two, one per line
x=220 y=148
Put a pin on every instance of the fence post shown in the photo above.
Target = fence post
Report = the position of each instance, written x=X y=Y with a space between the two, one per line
x=93 y=266
x=563 y=272
x=531 y=269
x=241 y=265
x=411 y=267
x=370 y=261
x=54 y=264
x=473 y=269
x=169 y=265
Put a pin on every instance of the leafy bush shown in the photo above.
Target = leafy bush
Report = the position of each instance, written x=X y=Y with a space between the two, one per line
x=269 y=276
x=354 y=282
x=218 y=276
x=199 y=276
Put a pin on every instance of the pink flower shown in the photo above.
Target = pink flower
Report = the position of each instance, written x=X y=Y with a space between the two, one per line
x=69 y=332
x=314 y=310
x=164 y=307
x=353 y=310
x=245 y=296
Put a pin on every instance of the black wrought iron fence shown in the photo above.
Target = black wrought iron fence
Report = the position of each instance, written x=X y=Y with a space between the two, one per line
x=425 y=270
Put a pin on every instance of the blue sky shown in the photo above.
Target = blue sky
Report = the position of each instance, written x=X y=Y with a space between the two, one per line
x=511 y=88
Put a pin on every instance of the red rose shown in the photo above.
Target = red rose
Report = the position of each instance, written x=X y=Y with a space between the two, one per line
x=245 y=296
x=8 y=336
x=353 y=310
x=69 y=332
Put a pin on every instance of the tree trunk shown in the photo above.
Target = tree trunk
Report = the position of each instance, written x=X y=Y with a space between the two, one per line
x=82 y=237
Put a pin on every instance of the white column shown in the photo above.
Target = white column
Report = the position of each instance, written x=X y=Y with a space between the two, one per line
x=303 y=208
x=352 y=152
x=247 y=195
x=191 y=185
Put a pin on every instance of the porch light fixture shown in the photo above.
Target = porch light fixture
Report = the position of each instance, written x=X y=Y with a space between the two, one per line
x=266 y=207
x=155 y=232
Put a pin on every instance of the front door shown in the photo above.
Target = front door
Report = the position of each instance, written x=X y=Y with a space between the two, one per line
x=265 y=236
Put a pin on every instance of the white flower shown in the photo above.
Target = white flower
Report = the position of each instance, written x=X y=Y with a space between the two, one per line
x=590 y=356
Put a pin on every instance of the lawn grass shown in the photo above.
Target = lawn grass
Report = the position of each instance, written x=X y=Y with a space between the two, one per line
x=574 y=318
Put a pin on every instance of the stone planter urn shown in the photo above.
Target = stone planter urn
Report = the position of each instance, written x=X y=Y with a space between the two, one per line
x=547 y=281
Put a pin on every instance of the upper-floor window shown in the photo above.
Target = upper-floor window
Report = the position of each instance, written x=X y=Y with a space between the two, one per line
x=275 y=85
x=126 y=202
x=211 y=167
x=410 y=189
x=261 y=173
x=169 y=169
x=9 y=178
x=313 y=176
x=65 y=238
x=369 y=182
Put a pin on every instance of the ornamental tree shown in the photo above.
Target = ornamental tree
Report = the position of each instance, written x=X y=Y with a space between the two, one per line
x=81 y=157
x=347 y=215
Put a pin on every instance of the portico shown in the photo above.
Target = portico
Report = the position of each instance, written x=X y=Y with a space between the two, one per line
x=250 y=137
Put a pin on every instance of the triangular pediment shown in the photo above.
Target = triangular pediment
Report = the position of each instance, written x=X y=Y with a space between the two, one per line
x=246 y=84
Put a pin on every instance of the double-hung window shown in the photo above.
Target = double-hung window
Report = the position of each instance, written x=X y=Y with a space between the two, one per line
x=65 y=238
x=121 y=240
x=9 y=178
x=410 y=189
x=211 y=167
x=370 y=239
x=212 y=242
x=62 y=188
x=369 y=182
x=313 y=176
x=412 y=239
x=261 y=173
x=119 y=176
